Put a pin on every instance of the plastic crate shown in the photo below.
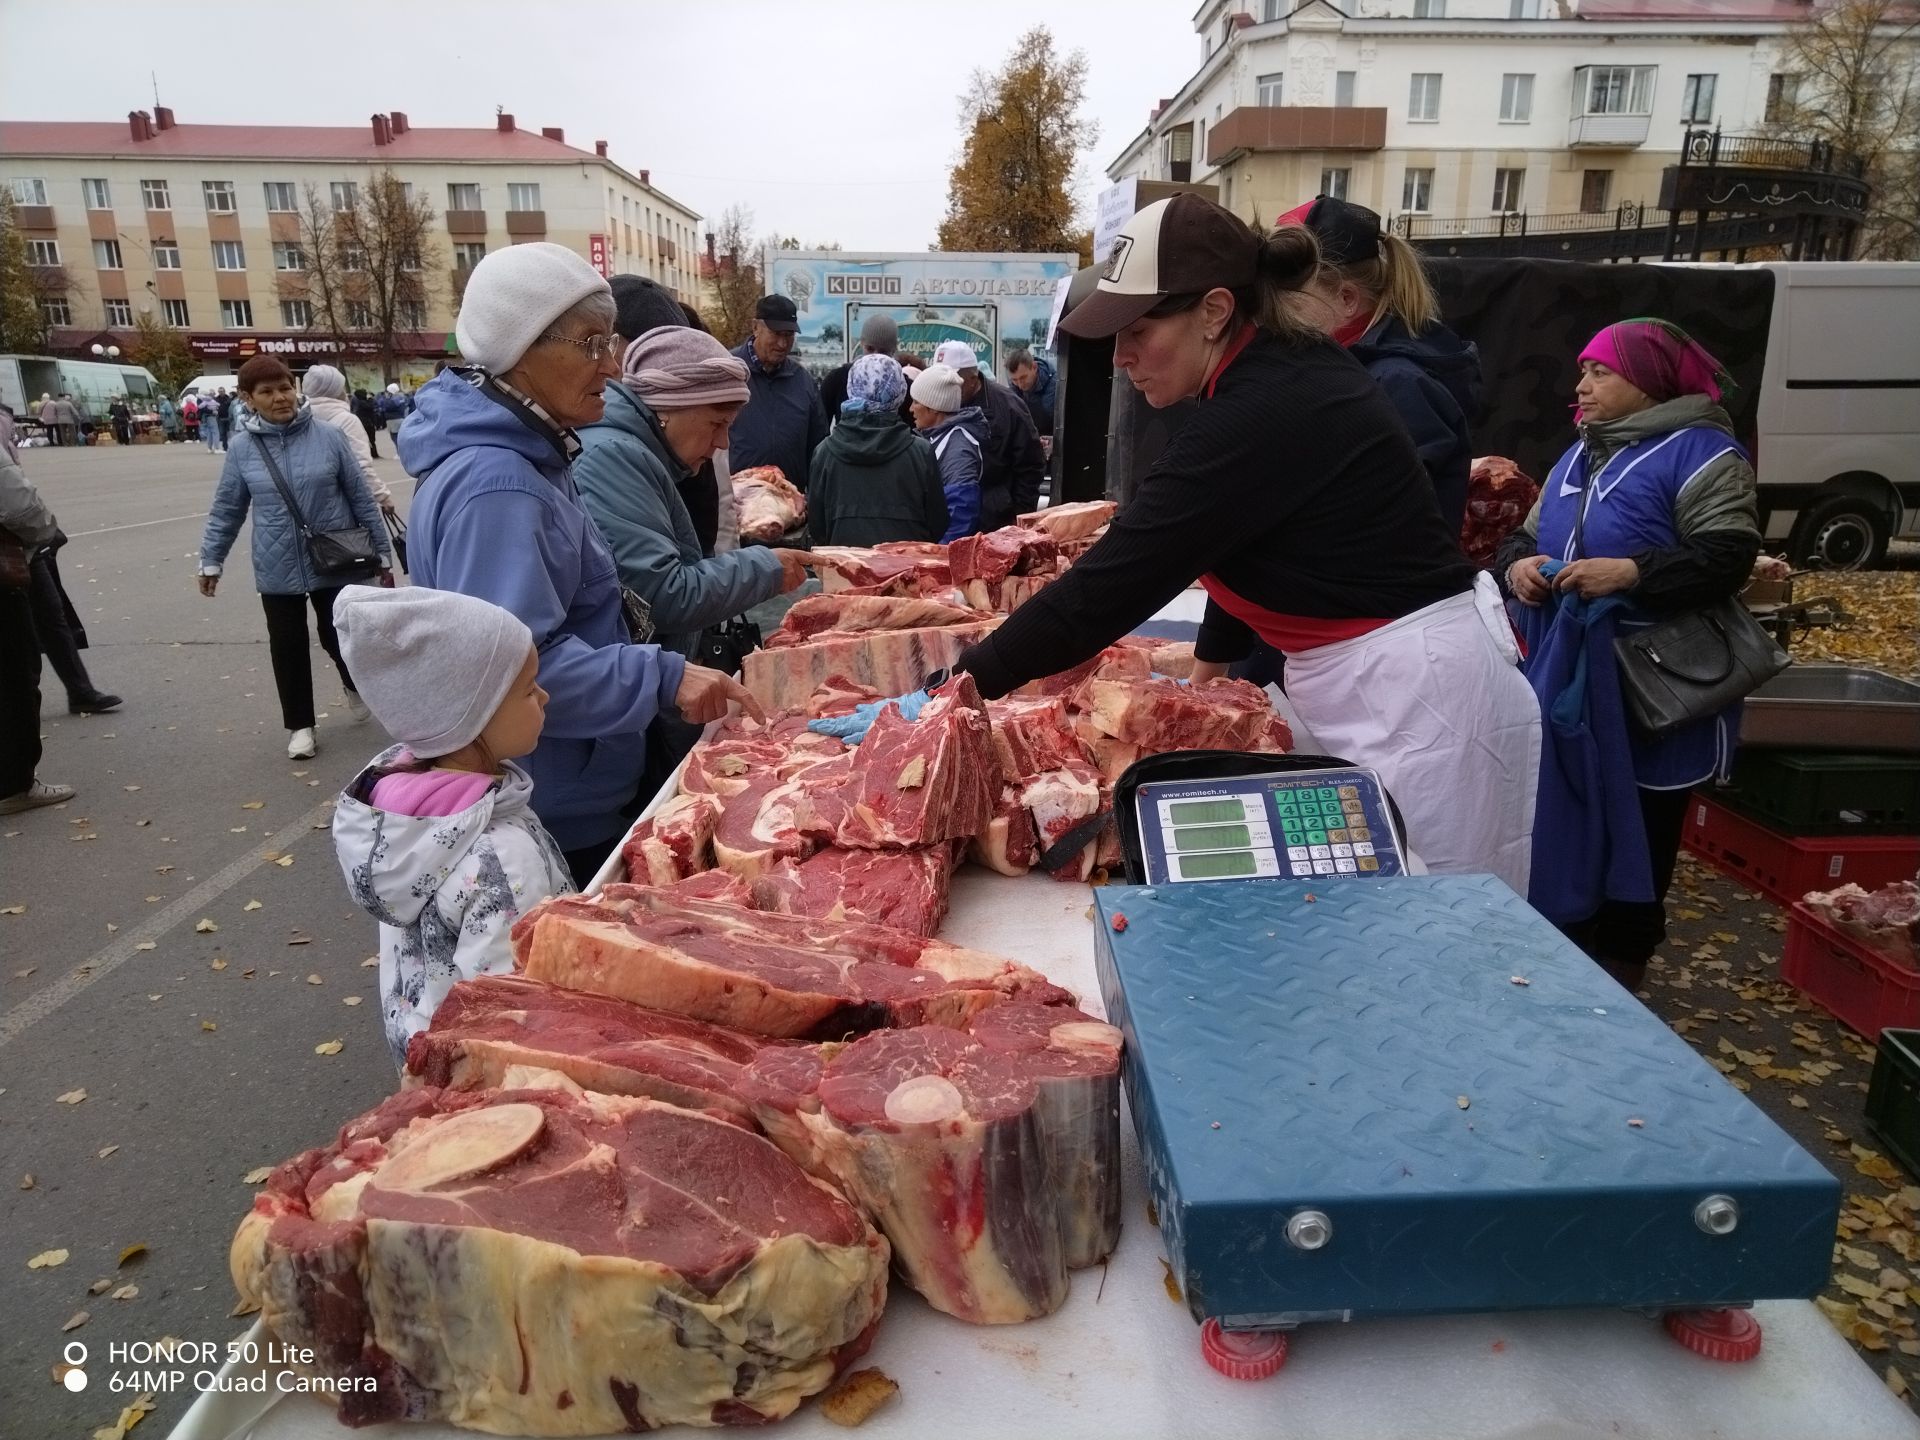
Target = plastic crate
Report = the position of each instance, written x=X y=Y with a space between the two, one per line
x=1804 y=792
x=1786 y=867
x=1893 y=1097
x=1866 y=990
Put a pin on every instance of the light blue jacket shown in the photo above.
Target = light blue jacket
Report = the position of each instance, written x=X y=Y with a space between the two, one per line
x=627 y=476
x=496 y=515
x=325 y=480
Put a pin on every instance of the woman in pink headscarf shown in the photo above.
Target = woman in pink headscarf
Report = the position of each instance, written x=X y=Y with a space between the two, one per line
x=1652 y=511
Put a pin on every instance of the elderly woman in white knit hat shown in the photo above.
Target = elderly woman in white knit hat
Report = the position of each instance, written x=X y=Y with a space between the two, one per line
x=495 y=515
x=326 y=391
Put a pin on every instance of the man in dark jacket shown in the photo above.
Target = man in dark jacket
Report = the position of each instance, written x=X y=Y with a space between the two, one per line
x=783 y=423
x=1434 y=382
x=875 y=480
x=1014 y=461
x=1034 y=379
x=878 y=336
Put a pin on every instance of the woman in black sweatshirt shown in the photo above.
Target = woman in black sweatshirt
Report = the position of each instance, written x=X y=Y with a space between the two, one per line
x=1295 y=496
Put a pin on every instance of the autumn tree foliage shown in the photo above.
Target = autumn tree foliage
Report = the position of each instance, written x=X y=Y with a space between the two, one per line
x=1012 y=188
x=164 y=351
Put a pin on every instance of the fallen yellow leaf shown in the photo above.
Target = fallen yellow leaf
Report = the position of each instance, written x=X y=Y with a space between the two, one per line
x=219 y=962
x=80 y=1317
x=13 y=910
x=208 y=1025
x=126 y=1292
x=72 y=1097
x=251 y=905
x=314 y=980
x=329 y=1047
x=369 y=962
x=105 y=1151
x=132 y=1252
x=284 y=861
x=257 y=1175
x=146 y=945
x=1896 y=1382
x=205 y=927
x=351 y=1000
x=26 y=1181
x=254 y=805
x=47 y=1259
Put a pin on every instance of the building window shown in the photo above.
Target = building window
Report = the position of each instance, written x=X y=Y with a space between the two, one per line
x=174 y=312
x=296 y=314
x=106 y=255
x=352 y=257
x=359 y=315
x=119 y=313
x=523 y=197
x=55 y=311
x=410 y=260
x=1507 y=187
x=1696 y=99
x=1523 y=9
x=229 y=255
x=1423 y=101
x=467 y=254
x=1335 y=183
x=236 y=314
x=99 y=196
x=1619 y=90
x=1416 y=192
x=1516 y=99
x=280 y=197
x=1429 y=9
x=1273 y=10
x=289 y=255
x=345 y=195
x=165 y=257
x=410 y=315
x=1199 y=148
x=43 y=252
x=219 y=195
x=154 y=195
x=1272 y=87
x=1783 y=95
x=463 y=197
x=29 y=192
x=1343 y=88
x=1595 y=187
x=406 y=193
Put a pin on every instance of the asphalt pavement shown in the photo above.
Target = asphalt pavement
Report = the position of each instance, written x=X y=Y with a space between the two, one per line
x=186 y=942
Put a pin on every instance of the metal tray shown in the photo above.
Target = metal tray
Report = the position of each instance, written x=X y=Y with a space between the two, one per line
x=1834 y=707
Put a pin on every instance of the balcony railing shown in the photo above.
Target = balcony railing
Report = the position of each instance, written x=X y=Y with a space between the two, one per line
x=1768 y=152
x=1608 y=132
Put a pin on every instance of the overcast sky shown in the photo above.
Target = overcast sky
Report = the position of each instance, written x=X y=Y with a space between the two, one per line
x=833 y=121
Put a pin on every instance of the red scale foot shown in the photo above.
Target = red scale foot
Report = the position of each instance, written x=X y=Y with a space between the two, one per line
x=1243 y=1354
x=1728 y=1335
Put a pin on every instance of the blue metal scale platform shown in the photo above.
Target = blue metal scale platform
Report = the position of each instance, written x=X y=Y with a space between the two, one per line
x=1412 y=1095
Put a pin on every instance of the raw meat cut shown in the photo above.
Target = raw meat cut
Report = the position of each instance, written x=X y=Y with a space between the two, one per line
x=769 y=505
x=1007 y=844
x=1058 y=801
x=544 y=1261
x=677 y=841
x=1162 y=715
x=854 y=614
x=1886 y=920
x=838 y=695
x=741 y=751
x=1072 y=521
x=721 y=885
x=1499 y=495
x=913 y=782
x=1010 y=550
x=487 y=1025
x=758 y=826
x=1118 y=662
x=1031 y=734
x=906 y=889
x=894 y=662
x=780 y=975
x=843 y=566
x=984 y=1158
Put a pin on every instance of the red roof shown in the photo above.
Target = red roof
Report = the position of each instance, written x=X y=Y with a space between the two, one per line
x=281 y=142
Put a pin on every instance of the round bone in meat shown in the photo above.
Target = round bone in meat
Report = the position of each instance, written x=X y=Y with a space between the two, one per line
x=461 y=1145
x=924 y=1100
x=1093 y=1037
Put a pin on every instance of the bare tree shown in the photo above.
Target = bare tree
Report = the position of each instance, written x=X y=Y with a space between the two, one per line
x=1855 y=63
x=389 y=232
x=736 y=277
x=323 y=283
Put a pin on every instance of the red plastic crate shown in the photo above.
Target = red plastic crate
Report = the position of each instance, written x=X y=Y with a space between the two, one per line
x=1786 y=867
x=1865 y=989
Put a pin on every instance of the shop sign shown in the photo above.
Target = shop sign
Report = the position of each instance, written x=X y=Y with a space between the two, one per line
x=597 y=253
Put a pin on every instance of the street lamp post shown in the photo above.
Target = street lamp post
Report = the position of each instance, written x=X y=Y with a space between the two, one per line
x=111 y=352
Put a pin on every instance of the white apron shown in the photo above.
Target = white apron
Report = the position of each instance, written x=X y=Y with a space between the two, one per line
x=1435 y=703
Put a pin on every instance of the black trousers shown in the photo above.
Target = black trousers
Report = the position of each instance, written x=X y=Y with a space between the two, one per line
x=51 y=623
x=19 y=693
x=373 y=439
x=288 y=643
x=1623 y=934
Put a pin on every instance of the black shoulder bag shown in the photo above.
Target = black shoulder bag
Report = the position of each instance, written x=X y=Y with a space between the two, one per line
x=340 y=557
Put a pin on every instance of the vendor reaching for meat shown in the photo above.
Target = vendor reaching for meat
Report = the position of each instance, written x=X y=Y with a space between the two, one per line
x=1296 y=497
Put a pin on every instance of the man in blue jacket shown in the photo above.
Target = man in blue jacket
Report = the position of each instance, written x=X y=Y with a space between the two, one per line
x=783 y=423
x=496 y=516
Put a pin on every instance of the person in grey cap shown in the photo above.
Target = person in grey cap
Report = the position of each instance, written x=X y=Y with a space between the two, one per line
x=437 y=836
x=496 y=516
x=878 y=336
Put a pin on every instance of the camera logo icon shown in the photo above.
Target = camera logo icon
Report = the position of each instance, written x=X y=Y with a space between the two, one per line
x=75 y=1379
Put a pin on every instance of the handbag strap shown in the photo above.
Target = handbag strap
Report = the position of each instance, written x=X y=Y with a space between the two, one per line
x=286 y=491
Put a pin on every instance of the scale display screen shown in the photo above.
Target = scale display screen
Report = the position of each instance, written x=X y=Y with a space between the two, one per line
x=1205 y=812
x=1222 y=865
x=1213 y=837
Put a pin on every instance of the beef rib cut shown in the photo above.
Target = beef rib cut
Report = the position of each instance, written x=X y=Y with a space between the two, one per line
x=857 y=614
x=769 y=505
x=544 y=1261
x=1163 y=715
x=906 y=889
x=675 y=842
x=893 y=662
x=992 y=557
x=1073 y=521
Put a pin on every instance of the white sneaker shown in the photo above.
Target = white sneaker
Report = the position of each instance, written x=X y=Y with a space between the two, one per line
x=34 y=796
x=302 y=745
x=356 y=707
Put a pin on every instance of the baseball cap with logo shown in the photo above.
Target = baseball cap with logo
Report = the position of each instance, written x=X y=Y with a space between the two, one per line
x=1182 y=246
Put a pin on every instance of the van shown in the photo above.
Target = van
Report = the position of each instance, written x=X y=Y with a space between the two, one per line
x=96 y=384
x=202 y=385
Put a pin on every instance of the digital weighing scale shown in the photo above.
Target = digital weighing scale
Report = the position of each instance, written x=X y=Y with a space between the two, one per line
x=1412 y=1095
x=1299 y=823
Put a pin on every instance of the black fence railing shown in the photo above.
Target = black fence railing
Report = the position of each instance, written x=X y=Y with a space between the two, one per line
x=1517 y=224
x=1716 y=148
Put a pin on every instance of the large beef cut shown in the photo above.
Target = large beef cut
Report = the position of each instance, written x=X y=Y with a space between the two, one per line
x=893 y=662
x=1073 y=521
x=741 y=751
x=856 y=614
x=1059 y=801
x=1162 y=715
x=1007 y=843
x=984 y=1158
x=993 y=556
x=912 y=782
x=1886 y=920
x=906 y=889
x=759 y=825
x=489 y=1025
x=769 y=504
x=770 y=974
x=673 y=843
x=1031 y=734
x=553 y=1262
x=842 y=567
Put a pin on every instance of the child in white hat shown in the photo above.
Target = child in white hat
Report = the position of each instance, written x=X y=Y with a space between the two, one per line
x=437 y=836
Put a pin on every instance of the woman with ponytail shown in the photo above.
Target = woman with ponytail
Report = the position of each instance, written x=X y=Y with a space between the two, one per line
x=1294 y=495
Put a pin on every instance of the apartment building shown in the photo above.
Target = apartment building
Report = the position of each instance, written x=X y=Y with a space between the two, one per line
x=201 y=225
x=1459 y=110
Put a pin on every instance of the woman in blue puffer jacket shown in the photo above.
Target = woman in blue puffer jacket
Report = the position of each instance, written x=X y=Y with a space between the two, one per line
x=320 y=470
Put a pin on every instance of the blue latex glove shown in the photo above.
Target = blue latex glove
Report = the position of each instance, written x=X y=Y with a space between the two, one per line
x=852 y=729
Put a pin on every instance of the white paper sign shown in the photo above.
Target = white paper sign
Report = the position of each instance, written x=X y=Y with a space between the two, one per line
x=1112 y=208
x=1059 y=309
